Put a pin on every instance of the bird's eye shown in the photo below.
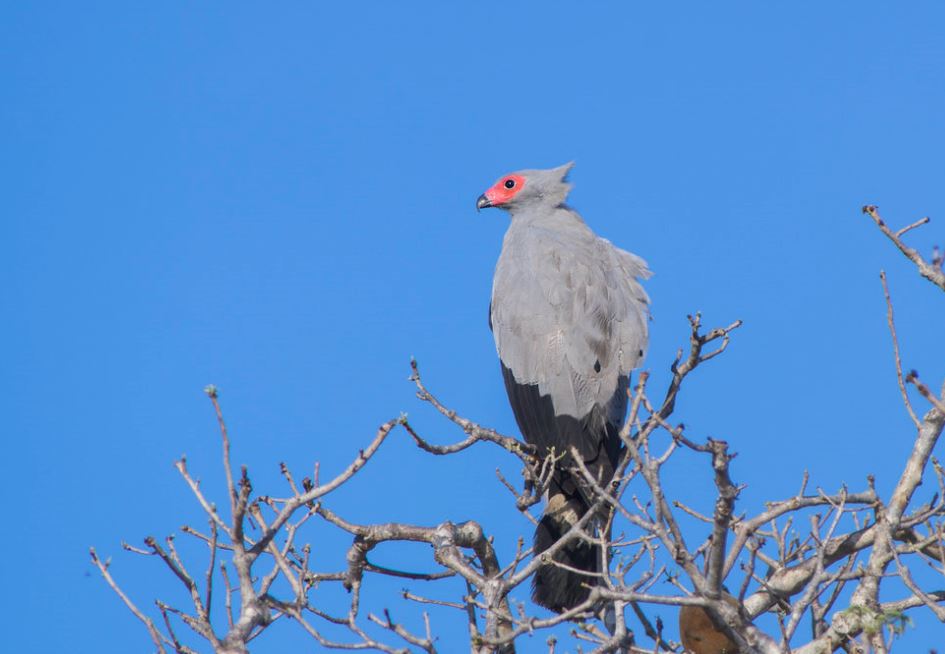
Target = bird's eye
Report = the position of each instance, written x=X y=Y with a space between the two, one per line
x=510 y=183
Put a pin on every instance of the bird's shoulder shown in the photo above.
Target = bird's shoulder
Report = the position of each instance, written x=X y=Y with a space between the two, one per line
x=565 y=260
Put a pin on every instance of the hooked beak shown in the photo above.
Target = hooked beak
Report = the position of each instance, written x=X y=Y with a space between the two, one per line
x=483 y=203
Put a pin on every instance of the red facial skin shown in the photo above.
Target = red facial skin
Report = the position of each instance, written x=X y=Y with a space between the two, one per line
x=499 y=195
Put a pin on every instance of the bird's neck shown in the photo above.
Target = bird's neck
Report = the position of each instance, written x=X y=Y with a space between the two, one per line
x=546 y=217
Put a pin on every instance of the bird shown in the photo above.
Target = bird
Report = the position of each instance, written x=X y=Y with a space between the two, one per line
x=569 y=316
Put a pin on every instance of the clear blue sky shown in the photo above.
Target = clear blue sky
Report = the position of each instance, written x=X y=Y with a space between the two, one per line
x=280 y=201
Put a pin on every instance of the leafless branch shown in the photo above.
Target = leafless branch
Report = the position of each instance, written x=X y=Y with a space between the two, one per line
x=932 y=271
x=156 y=637
x=895 y=344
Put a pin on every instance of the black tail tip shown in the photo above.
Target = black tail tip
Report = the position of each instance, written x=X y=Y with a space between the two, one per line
x=557 y=588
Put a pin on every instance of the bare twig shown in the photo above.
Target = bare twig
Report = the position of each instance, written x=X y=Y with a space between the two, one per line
x=156 y=637
x=928 y=270
x=895 y=344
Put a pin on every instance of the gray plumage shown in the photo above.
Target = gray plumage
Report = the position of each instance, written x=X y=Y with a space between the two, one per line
x=569 y=317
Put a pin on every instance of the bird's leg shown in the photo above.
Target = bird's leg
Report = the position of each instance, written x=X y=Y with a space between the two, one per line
x=608 y=616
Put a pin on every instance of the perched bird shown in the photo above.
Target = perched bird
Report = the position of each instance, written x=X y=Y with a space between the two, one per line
x=569 y=317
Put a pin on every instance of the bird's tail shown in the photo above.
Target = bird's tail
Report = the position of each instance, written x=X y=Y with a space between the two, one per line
x=553 y=586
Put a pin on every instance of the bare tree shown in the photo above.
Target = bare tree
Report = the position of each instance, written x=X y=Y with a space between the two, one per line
x=804 y=575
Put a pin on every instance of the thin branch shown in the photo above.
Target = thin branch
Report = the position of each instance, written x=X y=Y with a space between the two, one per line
x=928 y=270
x=213 y=394
x=475 y=432
x=315 y=492
x=895 y=344
x=159 y=640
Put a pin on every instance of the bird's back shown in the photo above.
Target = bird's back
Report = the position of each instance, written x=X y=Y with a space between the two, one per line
x=568 y=313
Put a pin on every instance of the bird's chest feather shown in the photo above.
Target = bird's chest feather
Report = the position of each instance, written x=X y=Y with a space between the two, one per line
x=544 y=279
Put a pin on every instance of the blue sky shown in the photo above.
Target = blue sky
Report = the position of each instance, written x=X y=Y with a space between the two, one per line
x=280 y=201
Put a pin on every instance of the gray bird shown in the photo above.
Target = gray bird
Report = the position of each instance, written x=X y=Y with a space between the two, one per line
x=569 y=317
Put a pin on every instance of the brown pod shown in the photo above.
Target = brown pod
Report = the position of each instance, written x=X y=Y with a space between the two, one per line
x=700 y=635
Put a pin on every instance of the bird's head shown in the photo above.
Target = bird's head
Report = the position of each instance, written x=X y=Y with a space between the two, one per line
x=528 y=188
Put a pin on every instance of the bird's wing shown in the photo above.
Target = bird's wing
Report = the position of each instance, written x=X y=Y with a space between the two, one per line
x=569 y=316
